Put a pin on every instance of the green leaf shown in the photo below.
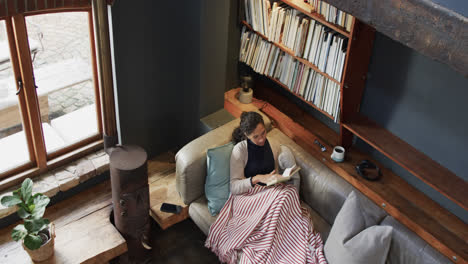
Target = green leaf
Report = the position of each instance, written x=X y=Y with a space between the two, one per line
x=38 y=212
x=31 y=207
x=35 y=225
x=40 y=200
x=19 y=232
x=26 y=189
x=33 y=241
x=10 y=200
x=23 y=213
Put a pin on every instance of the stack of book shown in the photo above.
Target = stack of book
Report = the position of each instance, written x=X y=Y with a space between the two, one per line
x=307 y=39
x=258 y=13
x=332 y=14
x=267 y=59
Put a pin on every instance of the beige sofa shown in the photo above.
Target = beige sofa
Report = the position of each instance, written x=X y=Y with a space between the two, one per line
x=321 y=189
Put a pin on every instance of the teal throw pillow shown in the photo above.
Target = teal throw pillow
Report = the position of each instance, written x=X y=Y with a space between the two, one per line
x=218 y=177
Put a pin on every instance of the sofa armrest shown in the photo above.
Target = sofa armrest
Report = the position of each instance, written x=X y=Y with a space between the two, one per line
x=191 y=160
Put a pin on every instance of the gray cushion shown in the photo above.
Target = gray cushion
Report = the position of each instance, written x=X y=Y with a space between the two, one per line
x=406 y=247
x=286 y=160
x=218 y=176
x=355 y=237
x=198 y=211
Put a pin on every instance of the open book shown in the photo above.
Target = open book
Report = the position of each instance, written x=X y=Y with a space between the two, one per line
x=286 y=175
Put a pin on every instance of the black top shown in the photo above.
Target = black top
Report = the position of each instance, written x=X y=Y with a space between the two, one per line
x=260 y=159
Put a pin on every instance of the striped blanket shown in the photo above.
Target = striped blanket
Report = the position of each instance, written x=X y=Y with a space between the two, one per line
x=268 y=225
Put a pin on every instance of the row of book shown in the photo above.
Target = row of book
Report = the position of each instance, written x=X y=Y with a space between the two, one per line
x=258 y=13
x=332 y=14
x=308 y=39
x=267 y=59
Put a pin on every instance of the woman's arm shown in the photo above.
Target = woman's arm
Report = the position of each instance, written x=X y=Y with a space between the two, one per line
x=239 y=184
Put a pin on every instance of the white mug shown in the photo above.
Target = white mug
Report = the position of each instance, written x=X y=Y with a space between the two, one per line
x=338 y=154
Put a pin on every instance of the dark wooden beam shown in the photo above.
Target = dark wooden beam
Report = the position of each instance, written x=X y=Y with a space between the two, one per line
x=429 y=28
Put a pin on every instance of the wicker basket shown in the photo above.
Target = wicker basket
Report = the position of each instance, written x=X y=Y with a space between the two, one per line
x=45 y=251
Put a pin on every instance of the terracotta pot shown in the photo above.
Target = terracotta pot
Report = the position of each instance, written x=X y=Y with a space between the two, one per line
x=46 y=250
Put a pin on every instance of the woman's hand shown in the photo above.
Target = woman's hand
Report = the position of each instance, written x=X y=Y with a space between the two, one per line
x=265 y=178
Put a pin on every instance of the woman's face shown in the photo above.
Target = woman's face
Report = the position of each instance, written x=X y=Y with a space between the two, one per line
x=258 y=136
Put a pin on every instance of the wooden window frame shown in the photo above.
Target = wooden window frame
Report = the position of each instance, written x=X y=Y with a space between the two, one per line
x=41 y=161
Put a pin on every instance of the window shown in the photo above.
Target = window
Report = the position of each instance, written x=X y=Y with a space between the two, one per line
x=49 y=94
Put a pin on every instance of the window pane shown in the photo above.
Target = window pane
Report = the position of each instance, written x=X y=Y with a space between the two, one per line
x=61 y=54
x=13 y=145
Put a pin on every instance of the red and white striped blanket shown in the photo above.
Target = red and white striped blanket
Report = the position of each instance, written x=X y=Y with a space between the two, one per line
x=268 y=225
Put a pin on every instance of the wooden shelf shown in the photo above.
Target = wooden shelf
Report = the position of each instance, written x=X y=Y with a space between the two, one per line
x=319 y=18
x=291 y=53
x=438 y=227
x=420 y=165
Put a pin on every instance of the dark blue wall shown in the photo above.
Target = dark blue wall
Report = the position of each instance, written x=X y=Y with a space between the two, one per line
x=424 y=103
x=157 y=63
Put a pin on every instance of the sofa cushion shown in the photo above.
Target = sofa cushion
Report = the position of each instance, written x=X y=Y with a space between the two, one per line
x=198 y=211
x=286 y=158
x=217 y=178
x=355 y=237
x=407 y=247
x=320 y=225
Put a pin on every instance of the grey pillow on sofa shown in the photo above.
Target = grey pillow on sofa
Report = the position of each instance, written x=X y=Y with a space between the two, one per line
x=286 y=160
x=355 y=237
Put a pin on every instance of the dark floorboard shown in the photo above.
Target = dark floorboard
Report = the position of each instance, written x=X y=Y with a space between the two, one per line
x=182 y=243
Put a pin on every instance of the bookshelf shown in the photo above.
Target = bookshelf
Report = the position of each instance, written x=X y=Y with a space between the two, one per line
x=322 y=72
x=351 y=123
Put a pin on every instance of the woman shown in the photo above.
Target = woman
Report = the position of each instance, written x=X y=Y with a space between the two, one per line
x=265 y=224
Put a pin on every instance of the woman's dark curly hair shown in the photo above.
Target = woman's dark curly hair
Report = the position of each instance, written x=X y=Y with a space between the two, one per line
x=248 y=122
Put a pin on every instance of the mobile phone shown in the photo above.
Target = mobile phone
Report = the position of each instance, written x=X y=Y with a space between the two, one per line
x=171 y=208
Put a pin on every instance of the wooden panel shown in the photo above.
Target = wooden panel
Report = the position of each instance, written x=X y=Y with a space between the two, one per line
x=355 y=69
x=438 y=227
x=19 y=28
x=22 y=99
x=441 y=33
x=416 y=162
x=84 y=233
x=162 y=184
x=101 y=31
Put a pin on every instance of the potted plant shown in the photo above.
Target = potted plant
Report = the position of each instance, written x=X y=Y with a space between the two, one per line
x=37 y=233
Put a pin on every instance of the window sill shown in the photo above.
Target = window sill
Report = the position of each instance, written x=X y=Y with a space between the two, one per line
x=64 y=178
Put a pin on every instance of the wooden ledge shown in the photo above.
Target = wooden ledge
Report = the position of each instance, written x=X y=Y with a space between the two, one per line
x=162 y=184
x=84 y=233
x=438 y=227
x=64 y=178
x=411 y=159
